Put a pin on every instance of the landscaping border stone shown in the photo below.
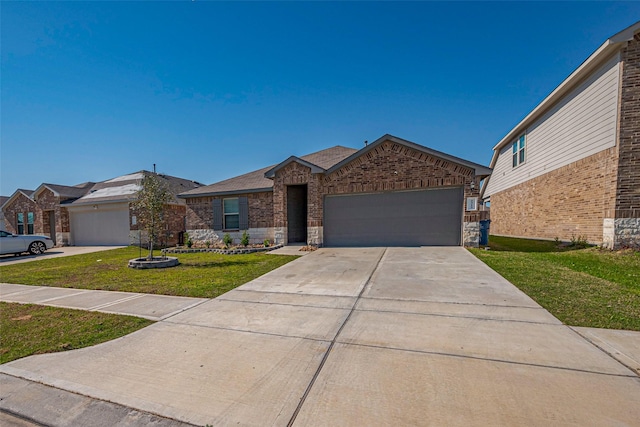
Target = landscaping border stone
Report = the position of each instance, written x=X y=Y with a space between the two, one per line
x=233 y=251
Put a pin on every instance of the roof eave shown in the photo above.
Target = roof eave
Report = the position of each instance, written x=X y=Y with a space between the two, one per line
x=597 y=58
x=478 y=169
x=226 y=193
x=42 y=187
x=14 y=195
x=95 y=202
x=271 y=173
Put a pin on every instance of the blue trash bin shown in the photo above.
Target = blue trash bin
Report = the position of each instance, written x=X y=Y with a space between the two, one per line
x=484 y=232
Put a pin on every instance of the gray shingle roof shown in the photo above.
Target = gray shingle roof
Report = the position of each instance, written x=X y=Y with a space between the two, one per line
x=249 y=182
x=125 y=188
x=70 y=192
x=329 y=157
x=256 y=181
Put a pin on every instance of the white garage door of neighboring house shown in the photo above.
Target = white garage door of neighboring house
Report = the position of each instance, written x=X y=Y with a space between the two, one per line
x=399 y=218
x=104 y=225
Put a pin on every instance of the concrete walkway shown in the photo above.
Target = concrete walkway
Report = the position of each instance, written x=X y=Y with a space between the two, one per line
x=371 y=336
x=153 y=307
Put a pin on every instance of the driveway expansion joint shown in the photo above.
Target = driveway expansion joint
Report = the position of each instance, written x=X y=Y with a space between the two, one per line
x=487 y=359
x=335 y=338
x=452 y=316
x=636 y=371
x=246 y=331
x=453 y=303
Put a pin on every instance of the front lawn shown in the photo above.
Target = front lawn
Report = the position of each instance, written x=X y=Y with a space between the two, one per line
x=32 y=329
x=581 y=287
x=204 y=275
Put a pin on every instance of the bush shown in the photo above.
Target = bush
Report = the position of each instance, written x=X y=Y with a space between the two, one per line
x=227 y=240
x=266 y=243
x=579 y=242
x=245 y=239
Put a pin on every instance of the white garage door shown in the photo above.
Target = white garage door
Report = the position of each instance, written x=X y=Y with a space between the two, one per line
x=103 y=225
x=399 y=218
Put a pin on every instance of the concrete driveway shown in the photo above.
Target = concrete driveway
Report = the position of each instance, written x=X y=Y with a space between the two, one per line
x=369 y=336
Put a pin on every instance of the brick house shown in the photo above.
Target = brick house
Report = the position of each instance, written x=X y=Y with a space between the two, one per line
x=3 y=199
x=90 y=213
x=571 y=167
x=392 y=192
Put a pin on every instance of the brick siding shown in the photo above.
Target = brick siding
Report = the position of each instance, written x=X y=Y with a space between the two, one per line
x=566 y=202
x=23 y=204
x=199 y=210
x=628 y=188
x=173 y=225
x=45 y=203
x=387 y=167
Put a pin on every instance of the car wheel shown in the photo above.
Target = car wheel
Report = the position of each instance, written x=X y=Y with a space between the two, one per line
x=37 y=248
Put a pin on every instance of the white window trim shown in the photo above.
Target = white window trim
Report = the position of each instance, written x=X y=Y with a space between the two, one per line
x=472 y=204
x=523 y=149
x=225 y=214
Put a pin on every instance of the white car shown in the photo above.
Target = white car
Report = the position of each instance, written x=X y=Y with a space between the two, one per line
x=18 y=243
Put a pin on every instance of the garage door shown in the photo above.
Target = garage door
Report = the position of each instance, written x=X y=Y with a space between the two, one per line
x=401 y=218
x=102 y=226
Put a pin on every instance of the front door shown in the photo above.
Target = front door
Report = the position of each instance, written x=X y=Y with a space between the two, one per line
x=297 y=214
x=52 y=226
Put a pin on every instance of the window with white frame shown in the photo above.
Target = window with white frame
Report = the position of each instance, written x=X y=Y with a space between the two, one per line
x=231 y=211
x=30 y=221
x=472 y=203
x=518 y=151
x=20 y=223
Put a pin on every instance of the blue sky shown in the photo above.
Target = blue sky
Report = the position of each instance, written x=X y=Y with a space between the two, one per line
x=210 y=90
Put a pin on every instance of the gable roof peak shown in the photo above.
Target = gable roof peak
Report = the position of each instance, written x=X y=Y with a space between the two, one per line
x=478 y=169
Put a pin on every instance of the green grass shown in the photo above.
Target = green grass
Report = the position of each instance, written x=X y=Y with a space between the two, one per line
x=32 y=329
x=205 y=275
x=582 y=287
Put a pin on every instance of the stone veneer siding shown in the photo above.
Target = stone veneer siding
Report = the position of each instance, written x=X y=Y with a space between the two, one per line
x=568 y=202
x=387 y=167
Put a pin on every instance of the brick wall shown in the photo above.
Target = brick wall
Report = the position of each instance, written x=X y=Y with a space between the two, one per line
x=173 y=225
x=49 y=202
x=260 y=209
x=387 y=167
x=199 y=210
x=628 y=189
x=297 y=174
x=570 y=201
x=24 y=205
x=392 y=166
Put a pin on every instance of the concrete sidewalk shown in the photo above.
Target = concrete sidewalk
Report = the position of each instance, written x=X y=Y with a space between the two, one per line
x=153 y=307
x=368 y=336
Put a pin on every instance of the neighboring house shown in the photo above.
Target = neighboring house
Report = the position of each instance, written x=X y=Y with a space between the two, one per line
x=392 y=192
x=3 y=199
x=91 y=213
x=571 y=167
